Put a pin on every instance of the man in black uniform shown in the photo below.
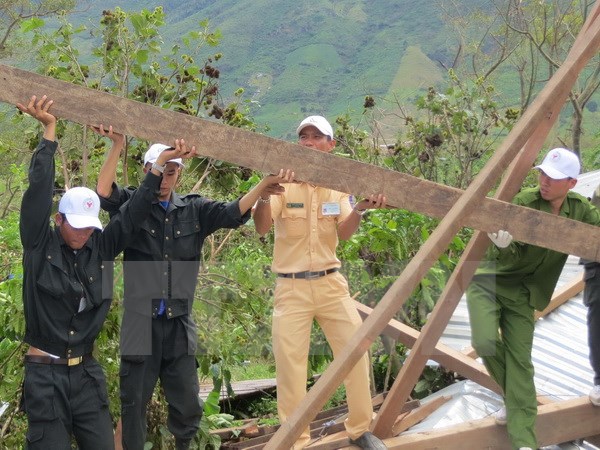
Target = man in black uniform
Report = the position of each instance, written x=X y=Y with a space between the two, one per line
x=158 y=335
x=64 y=392
x=591 y=299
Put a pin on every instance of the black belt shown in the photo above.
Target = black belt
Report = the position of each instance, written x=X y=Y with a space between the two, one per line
x=42 y=359
x=308 y=275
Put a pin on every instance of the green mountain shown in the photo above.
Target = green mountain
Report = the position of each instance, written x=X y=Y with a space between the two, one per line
x=296 y=58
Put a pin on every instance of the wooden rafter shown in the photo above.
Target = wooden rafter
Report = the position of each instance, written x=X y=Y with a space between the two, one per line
x=470 y=208
x=464 y=271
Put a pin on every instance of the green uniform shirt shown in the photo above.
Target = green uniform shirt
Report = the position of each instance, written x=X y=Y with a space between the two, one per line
x=527 y=270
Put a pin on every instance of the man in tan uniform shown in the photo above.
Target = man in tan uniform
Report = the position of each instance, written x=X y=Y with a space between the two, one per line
x=309 y=220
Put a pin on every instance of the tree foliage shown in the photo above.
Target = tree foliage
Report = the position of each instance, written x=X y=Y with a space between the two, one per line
x=14 y=12
x=527 y=42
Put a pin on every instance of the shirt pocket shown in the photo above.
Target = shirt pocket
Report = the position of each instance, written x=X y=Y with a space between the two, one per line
x=52 y=280
x=327 y=224
x=94 y=273
x=146 y=240
x=294 y=222
x=186 y=235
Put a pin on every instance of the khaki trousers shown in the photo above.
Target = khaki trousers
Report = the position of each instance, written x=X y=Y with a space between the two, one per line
x=297 y=303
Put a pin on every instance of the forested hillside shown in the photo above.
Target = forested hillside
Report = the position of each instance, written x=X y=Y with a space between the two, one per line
x=300 y=57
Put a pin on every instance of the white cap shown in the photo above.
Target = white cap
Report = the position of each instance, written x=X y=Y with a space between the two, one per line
x=319 y=122
x=81 y=206
x=560 y=163
x=152 y=154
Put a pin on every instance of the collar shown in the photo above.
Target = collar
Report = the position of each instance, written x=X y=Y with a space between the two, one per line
x=565 y=208
x=176 y=201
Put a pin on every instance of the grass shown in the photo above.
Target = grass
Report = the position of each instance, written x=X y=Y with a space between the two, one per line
x=254 y=370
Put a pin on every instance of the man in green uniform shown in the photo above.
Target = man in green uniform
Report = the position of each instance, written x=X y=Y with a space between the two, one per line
x=514 y=279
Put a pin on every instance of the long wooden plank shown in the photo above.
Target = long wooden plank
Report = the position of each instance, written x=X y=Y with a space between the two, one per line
x=557 y=422
x=88 y=106
x=417 y=268
x=413 y=366
x=446 y=356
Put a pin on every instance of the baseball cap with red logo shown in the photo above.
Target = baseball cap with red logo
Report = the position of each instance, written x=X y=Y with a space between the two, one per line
x=560 y=163
x=81 y=206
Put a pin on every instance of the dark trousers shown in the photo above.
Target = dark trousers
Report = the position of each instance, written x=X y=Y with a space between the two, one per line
x=591 y=298
x=62 y=401
x=176 y=367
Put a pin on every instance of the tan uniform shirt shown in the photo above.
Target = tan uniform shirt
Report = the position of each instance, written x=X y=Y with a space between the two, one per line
x=306 y=219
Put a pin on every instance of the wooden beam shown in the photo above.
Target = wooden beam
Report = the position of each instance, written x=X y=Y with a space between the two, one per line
x=446 y=356
x=557 y=422
x=417 y=415
x=456 y=286
x=558 y=85
x=339 y=439
x=88 y=106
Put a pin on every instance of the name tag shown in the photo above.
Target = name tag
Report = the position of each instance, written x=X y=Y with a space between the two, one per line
x=294 y=205
x=330 y=209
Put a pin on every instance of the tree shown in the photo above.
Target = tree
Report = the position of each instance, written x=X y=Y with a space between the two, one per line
x=551 y=29
x=14 y=12
x=529 y=41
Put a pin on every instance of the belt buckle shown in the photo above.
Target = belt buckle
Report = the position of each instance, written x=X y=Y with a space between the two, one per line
x=312 y=275
x=74 y=361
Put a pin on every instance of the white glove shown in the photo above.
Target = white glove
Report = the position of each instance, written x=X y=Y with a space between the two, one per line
x=501 y=239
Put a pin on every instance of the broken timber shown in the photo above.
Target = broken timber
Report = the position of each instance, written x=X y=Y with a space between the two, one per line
x=91 y=107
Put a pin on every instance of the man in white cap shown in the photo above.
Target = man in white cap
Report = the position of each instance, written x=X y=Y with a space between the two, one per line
x=515 y=279
x=66 y=300
x=308 y=221
x=158 y=334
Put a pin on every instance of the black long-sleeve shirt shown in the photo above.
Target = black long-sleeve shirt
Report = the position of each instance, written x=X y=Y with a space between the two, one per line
x=56 y=277
x=163 y=260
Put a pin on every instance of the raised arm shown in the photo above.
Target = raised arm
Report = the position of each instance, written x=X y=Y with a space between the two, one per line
x=108 y=172
x=349 y=225
x=261 y=194
x=36 y=205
